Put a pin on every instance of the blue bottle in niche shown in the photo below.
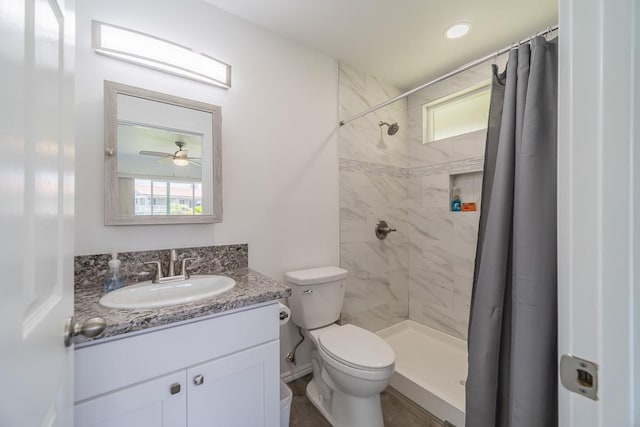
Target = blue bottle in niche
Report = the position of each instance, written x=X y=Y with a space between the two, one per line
x=456 y=204
x=114 y=278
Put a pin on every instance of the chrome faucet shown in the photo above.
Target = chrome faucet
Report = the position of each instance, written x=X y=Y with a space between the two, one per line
x=173 y=257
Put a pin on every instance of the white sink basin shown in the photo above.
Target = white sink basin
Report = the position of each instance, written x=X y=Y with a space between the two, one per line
x=149 y=295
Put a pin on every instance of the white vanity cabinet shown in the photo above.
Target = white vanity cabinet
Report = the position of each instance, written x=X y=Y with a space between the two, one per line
x=222 y=371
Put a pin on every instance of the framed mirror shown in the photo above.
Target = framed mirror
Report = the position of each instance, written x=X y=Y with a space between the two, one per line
x=162 y=158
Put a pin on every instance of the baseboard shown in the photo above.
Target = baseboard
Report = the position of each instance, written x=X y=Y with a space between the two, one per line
x=299 y=372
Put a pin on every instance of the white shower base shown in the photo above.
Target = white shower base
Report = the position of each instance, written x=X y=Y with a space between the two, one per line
x=430 y=366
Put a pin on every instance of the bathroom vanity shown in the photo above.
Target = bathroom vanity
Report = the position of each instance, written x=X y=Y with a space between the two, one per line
x=210 y=362
x=220 y=371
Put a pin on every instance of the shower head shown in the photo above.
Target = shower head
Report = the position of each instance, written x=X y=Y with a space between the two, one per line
x=393 y=128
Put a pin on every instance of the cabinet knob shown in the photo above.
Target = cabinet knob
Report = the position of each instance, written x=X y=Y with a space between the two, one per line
x=198 y=380
x=175 y=388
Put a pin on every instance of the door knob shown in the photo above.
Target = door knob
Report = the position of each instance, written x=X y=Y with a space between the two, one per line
x=90 y=328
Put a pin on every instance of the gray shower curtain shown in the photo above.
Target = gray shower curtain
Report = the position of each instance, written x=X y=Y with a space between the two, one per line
x=512 y=341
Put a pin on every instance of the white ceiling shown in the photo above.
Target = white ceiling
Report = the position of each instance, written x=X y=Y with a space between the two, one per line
x=399 y=41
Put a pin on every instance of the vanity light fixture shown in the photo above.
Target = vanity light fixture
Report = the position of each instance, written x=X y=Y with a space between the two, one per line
x=457 y=30
x=158 y=54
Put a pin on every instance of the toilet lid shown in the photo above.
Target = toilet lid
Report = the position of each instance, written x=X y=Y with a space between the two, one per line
x=357 y=347
x=314 y=276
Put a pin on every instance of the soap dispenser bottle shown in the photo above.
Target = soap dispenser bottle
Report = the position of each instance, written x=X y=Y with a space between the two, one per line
x=114 y=278
x=456 y=204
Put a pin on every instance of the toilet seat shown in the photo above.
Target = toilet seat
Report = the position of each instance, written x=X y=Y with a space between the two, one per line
x=382 y=374
x=357 y=348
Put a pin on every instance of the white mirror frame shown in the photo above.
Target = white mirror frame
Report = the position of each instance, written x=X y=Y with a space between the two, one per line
x=112 y=213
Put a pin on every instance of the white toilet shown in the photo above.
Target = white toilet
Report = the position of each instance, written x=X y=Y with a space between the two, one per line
x=351 y=366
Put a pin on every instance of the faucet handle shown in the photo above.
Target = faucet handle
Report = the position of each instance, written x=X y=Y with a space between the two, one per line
x=183 y=270
x=383 y=229
x=158 y=274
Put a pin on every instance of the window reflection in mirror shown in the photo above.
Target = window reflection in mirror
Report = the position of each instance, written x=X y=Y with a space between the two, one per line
x=153 y=197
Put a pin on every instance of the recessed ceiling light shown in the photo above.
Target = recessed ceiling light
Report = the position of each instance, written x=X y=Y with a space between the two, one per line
x=458 y=30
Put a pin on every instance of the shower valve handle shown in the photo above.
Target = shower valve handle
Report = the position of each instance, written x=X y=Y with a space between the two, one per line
x=383 y=230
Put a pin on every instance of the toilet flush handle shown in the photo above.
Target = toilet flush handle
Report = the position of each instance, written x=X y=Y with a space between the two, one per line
x=307 y=291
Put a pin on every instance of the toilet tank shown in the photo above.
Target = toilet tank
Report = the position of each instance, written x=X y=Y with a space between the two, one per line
x=316 y=296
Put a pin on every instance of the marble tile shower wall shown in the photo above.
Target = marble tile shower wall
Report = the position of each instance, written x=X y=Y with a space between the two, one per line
x=373 y=186
x=424 y=271
x=441 y=243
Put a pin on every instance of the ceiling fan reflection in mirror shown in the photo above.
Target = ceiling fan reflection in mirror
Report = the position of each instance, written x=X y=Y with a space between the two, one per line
x=179 y=158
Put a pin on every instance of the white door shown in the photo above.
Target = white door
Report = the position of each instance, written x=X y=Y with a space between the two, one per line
x=598 y=205
x=36 y=211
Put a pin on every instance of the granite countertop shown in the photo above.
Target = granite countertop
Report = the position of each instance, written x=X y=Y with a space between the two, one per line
x=251 y=288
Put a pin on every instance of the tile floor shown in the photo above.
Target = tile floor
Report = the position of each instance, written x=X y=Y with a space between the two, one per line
x=398 y=411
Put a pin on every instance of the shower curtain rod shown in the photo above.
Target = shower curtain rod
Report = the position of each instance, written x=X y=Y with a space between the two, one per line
x=449 y=74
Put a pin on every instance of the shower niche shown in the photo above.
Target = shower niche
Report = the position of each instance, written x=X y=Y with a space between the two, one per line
x=468 y=187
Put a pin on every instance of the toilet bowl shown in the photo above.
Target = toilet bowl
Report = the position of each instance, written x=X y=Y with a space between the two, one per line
x=351 y=366
x=358 y=360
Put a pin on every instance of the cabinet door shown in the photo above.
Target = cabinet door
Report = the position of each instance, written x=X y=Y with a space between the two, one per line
x=240 y=390
x=149 y=404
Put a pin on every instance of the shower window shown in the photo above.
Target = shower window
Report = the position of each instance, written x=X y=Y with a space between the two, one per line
x=462 y=112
